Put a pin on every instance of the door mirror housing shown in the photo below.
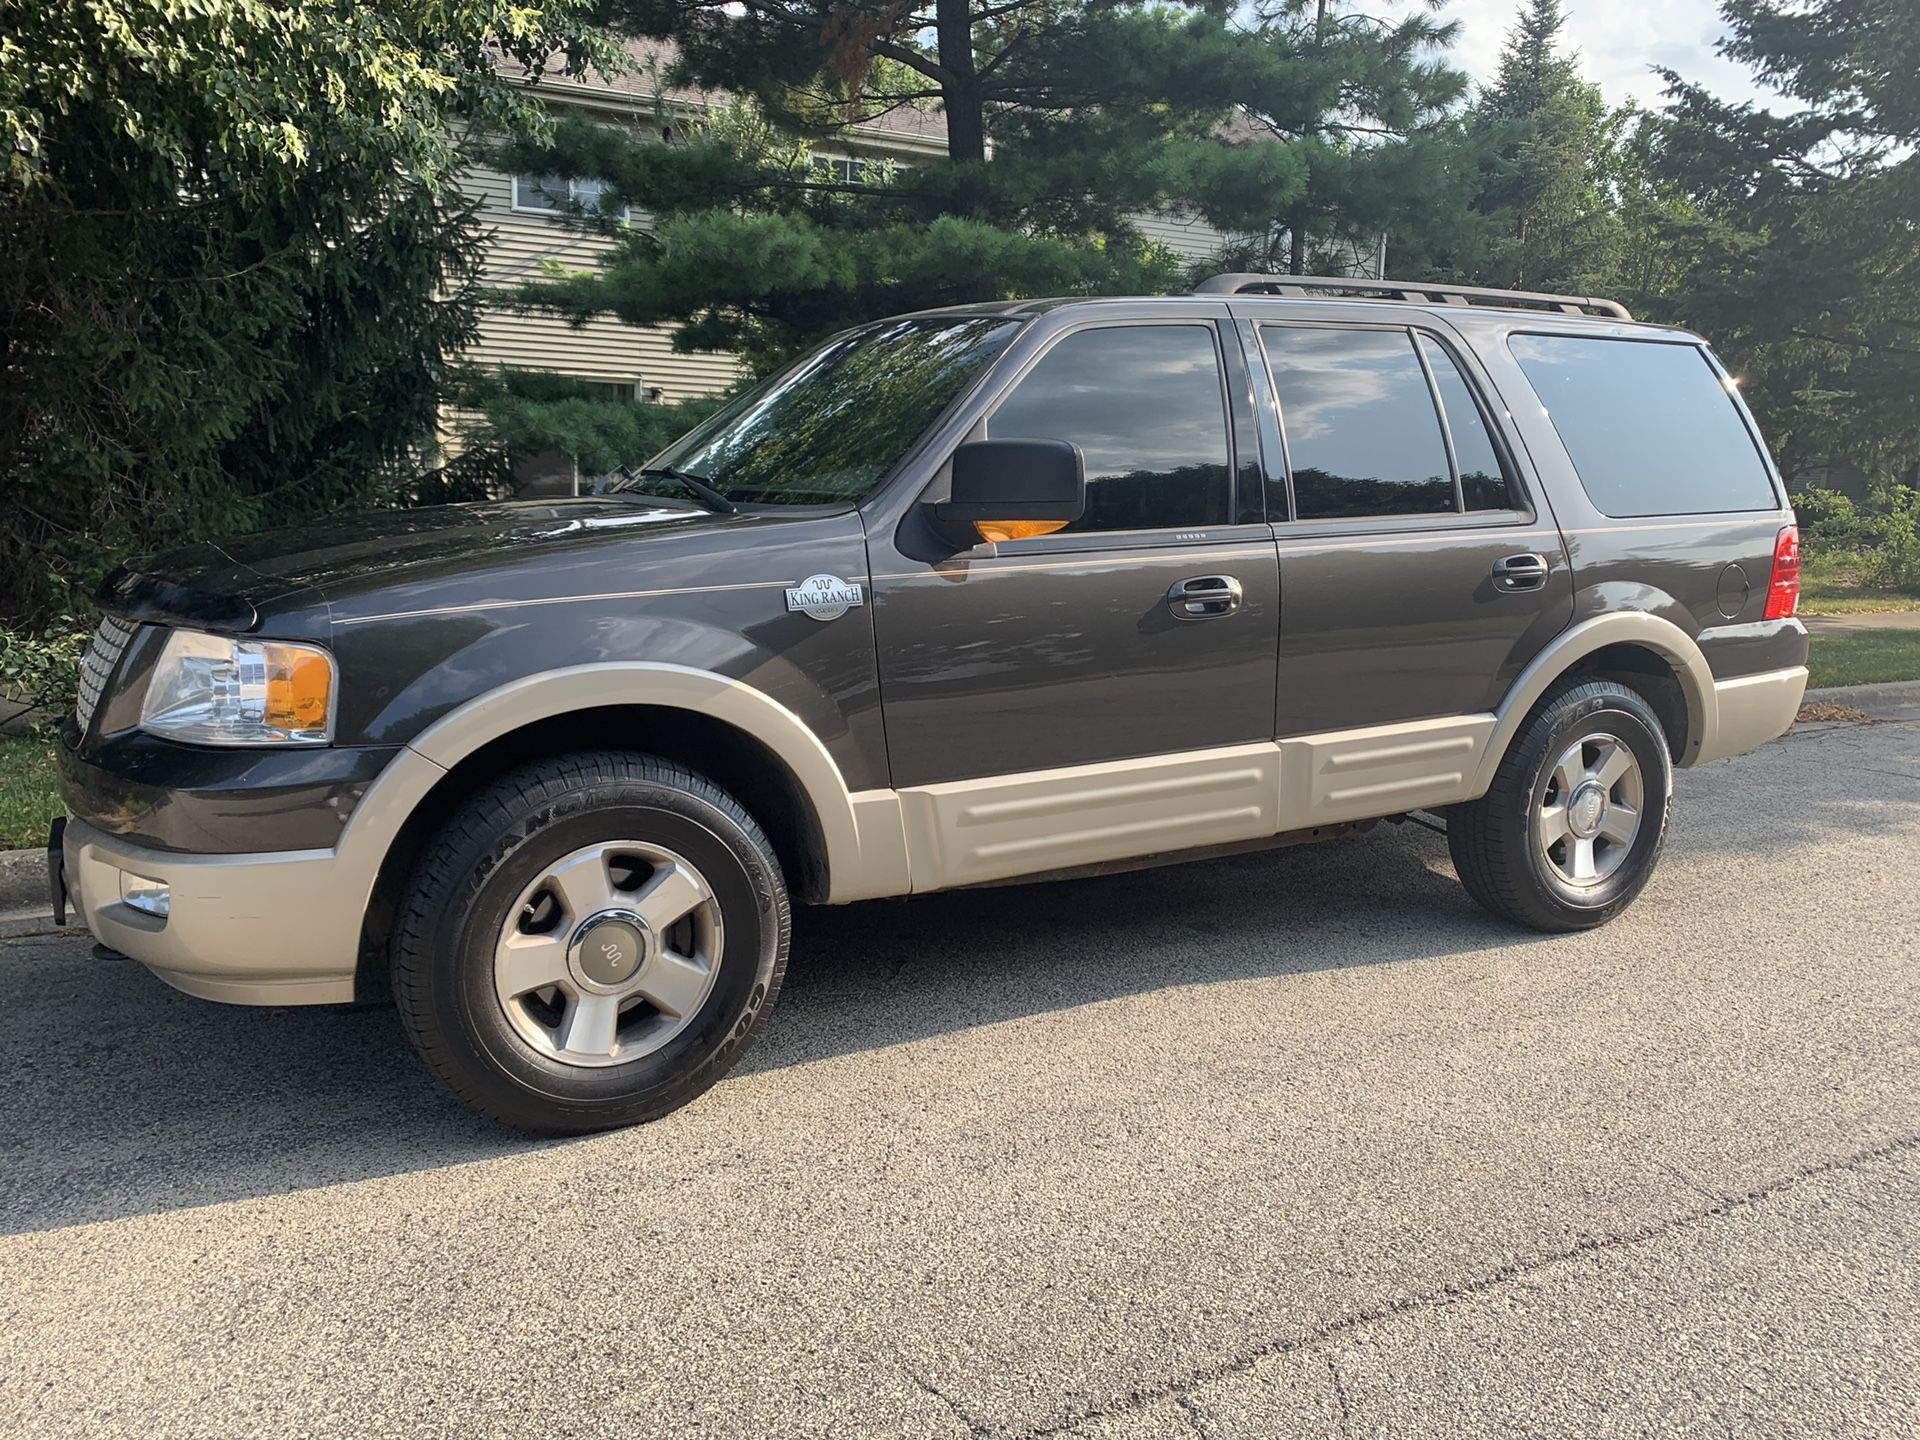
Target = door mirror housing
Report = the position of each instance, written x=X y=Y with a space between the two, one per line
x=1011 y=489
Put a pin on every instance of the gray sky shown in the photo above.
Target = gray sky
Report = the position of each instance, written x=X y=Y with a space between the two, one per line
x=1618 y=40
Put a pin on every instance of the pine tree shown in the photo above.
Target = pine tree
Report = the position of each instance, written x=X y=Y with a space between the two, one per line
x=1364 y=114
x=1063 y=122
x=1532 y=71
x=1543 y=140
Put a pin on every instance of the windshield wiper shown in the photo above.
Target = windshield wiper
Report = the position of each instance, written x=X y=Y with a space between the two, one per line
x=702 y=490
x=621 y=480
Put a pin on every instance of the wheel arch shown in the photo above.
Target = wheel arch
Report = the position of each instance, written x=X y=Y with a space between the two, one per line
x=1651 y=655
x=835 y=845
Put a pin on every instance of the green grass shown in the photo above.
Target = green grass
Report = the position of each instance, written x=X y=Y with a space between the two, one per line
x=1831 y=585
x=29 y=793
x=1865 y=657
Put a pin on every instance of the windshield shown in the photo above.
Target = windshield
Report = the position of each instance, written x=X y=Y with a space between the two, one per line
x=831 y=426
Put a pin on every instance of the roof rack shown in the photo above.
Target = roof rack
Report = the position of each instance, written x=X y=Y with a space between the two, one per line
x=1334 y=286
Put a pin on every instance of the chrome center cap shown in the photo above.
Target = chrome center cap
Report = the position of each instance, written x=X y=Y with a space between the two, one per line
x=609 y=950
x=1587 y=809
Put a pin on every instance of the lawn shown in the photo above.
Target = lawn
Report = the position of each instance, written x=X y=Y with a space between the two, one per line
x=29 y=794
x=1830 y=585
x=1865 y=657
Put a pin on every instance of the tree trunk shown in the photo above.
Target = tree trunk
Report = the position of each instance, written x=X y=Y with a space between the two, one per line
x=1297 y=244
x=960 y=93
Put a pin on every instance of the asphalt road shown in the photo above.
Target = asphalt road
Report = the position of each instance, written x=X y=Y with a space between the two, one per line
x=1300 y=1144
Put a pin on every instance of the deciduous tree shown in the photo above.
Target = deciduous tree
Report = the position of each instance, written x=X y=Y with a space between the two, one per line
x=232 y=260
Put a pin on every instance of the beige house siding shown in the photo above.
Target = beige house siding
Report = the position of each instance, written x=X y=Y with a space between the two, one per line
x=519 y=243
x=1186 y=235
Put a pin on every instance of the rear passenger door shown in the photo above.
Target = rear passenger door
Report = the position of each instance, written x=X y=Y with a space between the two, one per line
x=1419 y=569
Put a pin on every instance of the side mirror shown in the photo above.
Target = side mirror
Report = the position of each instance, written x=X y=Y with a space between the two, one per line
x=1011 y=489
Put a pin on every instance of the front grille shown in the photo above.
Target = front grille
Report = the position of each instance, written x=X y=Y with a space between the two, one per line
x=97 y=665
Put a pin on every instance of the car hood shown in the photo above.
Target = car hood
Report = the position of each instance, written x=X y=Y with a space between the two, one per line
x=233 y=585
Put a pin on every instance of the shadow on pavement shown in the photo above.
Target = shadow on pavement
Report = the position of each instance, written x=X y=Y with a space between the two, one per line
x=119 y=1097
x=136 y=1099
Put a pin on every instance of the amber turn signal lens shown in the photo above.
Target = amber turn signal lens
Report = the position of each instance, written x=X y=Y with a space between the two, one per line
x=996 y=530
x=299 y=689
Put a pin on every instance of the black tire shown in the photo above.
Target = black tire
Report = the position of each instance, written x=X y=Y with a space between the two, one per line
x=1494 y=845
x=465 y=888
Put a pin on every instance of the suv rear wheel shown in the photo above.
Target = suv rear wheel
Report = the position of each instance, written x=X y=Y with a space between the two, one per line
x=591 y=942
x=1572 y=825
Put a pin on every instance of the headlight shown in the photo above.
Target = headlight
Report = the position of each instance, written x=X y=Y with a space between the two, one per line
x=212 y=690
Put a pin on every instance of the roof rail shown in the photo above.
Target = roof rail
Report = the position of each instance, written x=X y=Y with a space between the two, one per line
x=1413 y=293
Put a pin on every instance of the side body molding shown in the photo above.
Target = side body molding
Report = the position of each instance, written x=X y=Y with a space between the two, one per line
x=1002 y=826
x=1626 y=627
x=864 y=836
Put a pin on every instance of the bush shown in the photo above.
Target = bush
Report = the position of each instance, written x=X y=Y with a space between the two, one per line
x=39 y=672
x=1896 y=561
x=1879 y=541
x=234 y=261
x=1830 y=523
x=520 y=414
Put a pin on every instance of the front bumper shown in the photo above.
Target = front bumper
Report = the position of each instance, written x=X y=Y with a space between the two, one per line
x=263 y=929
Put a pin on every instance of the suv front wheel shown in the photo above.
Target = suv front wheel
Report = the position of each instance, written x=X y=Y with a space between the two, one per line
x=590 y=942
x=1569 y=832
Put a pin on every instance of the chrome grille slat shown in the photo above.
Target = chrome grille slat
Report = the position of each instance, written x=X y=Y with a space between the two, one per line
x=97 y=665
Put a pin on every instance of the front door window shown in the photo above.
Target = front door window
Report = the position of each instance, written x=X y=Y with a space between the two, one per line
x=1145 y=405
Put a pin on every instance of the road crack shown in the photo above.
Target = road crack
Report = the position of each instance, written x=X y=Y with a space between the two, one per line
x=1440 y=1297
x=1340 y=1394
x=975 y=1425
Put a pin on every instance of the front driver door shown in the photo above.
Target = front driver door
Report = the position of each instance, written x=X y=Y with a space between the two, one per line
x=1106 y=690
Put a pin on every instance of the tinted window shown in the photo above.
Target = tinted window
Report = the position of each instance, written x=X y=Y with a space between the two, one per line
x=831 y=426
x=1144 y=404
x=1363 y=437
x=1649 y=427
x=1483 y=480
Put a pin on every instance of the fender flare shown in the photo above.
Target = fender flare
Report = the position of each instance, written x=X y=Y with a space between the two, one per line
x=1567 y=649
x=857 y=865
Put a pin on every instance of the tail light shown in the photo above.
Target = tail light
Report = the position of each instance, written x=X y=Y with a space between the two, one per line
x=1783 y=590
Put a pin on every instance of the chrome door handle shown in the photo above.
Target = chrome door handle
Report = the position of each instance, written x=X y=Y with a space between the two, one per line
x=1520 y=572
x=1205 y=597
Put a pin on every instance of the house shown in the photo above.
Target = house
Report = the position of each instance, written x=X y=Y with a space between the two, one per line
x=525 y=218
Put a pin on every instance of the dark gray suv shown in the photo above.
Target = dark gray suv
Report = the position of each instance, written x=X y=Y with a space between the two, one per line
x=993 y=592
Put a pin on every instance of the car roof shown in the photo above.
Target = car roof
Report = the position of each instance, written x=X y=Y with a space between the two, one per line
x=1296 y=307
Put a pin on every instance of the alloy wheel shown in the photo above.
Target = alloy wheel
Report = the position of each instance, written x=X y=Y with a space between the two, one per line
x=609 y=953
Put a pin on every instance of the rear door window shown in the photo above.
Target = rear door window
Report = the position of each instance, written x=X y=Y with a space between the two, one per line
x=1363 y=436
x=1146 y=406
x=1649 y=426
x=1484 y=483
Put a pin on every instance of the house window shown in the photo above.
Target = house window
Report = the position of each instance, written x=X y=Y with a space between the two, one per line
x=852 y=170
x=559 y=194
x=606 y=389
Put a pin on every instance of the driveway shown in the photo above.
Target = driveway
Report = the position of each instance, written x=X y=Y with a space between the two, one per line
x=1296 y=1144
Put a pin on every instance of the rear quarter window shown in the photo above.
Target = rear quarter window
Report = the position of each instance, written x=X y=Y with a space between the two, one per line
x=1649 y=426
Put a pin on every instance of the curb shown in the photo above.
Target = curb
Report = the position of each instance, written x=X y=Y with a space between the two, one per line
x=1889 y=700
x=1891 y=689
x=23 y=881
